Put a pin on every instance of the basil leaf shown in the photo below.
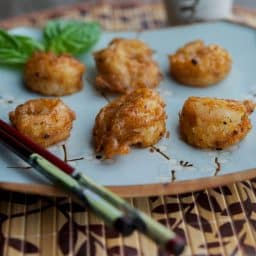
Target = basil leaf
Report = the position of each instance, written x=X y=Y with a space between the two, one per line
x=69 y=36
x=16 y=49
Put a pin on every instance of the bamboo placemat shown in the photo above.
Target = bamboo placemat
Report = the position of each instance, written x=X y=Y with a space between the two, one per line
x=220 y=221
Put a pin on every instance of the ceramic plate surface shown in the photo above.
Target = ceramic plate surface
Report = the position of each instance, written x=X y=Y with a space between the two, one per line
x=141 y=166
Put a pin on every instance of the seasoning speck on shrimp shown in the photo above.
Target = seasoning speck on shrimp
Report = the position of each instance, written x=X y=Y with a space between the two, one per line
x=199 y=65
x=53 y=75
x=125 y=65
x=45 y=121
x=137 y=118
x=211 y=123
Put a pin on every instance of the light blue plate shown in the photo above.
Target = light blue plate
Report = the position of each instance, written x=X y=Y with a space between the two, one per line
x=142 y=167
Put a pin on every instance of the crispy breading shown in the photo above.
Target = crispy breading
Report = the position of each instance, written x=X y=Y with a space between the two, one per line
x=197 y=64
x=137 y=118
x=214 y=123
x=45 y=121
x=125 y=65
x=52 y=75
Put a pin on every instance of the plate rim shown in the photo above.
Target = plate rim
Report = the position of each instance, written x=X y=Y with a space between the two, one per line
x=159 y=189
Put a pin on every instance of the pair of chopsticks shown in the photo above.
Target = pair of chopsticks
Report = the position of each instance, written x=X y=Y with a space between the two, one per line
x=114 y=210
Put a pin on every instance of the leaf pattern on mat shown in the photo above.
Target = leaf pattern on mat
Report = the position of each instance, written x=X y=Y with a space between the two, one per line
x=253 y=223
x=227 y=230
x=2 y=243
x=82 y=250
x=97 y=229
x=172 y=207
x=246 y=248
x=167 y=222
x=194 y=220
x=125 y=250
x=187 y=215
x=19 y=198
x=22 y=245
x=111 y=233
x=101 y=230
x=204 y=202
x=72 y=207
x=234 y=209
x=153 y=198
x=225 y=189
x=67 y=237
x=92 y=245
x=249 y=206
x=3 y=217
x=169 y=208
x=212 y=245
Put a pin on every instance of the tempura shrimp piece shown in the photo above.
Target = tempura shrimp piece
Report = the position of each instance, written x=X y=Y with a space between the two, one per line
x=211 y=123
x=45 y=121
x=199 y=65
x=137 y=118
x=125 y=65
x=52 y=75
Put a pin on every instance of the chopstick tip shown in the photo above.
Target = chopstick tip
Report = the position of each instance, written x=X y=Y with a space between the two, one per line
x=175 y=245
x=124 y=225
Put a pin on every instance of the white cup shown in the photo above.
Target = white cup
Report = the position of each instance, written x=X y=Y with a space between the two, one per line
x=187 y=11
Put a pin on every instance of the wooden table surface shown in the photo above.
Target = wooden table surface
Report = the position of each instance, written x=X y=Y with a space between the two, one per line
x=13 y=8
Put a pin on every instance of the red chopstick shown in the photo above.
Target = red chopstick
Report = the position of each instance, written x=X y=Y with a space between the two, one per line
x=37 y=148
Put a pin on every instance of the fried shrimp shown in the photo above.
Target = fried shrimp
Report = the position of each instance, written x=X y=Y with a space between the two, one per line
x=125 y=65
x=137 y=118
x=52 y=75
x=199 y=65
x=211 y=123
x=45 y=121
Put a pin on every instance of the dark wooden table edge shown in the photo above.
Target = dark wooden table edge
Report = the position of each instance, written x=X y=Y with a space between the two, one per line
x=63 y=9
x=59 y=11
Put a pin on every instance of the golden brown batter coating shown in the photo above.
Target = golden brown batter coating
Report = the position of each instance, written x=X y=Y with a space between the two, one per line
x=45 y=121
x=199 y=65
x=125 y=65
x=137 y=118
x=49 y=74
x=214 y=123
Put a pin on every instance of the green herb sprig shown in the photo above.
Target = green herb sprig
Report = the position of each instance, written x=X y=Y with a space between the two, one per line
x=74 y=37
x=59 y=36
x=16 y=49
